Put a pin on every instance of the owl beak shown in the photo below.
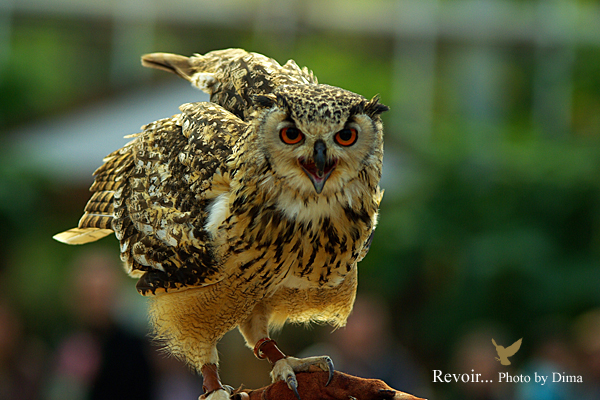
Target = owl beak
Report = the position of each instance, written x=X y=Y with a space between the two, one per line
x=319 y=169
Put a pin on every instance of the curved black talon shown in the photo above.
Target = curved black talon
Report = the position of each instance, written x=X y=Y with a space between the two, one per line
x=229 y=389
x=293 y=384
x=330 y=369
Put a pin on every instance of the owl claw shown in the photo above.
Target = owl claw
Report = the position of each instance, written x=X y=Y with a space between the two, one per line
x=330 y=369
x=286 y=368
x=292 y=383
x=229 y=389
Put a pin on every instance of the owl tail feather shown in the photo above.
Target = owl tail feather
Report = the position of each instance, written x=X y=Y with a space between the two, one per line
x=81 y=235
x=183 y=67
x=174 y=63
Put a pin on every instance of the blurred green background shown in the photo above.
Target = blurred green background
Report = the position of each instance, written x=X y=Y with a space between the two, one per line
x=491 y=216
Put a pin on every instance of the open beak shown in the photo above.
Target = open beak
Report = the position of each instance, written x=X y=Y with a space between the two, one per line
x=318 y=169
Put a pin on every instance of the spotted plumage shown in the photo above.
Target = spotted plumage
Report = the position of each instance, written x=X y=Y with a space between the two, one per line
x=247 y=211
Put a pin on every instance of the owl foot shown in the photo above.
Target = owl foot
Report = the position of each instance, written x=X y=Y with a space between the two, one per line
x=285 y=368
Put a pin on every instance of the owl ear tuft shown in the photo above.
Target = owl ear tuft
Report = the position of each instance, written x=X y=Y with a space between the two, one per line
x=373 y=108
x=265 y=100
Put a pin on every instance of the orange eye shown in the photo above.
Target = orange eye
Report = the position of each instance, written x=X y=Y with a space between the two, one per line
x=346 y=137
x=291 y=135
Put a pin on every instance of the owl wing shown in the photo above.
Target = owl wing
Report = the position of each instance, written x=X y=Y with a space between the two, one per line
x=367 y=244
x=513 y=348
x=155 y=192
x=232 y=77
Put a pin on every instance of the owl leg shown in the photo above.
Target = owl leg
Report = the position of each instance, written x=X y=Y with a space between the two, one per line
x=255 y=331
x=179 y=320
x=213 y=389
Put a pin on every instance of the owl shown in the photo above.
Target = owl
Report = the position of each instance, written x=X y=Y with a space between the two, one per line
x=248 y=211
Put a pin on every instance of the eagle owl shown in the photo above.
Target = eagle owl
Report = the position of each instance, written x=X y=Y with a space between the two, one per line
x=247 y=211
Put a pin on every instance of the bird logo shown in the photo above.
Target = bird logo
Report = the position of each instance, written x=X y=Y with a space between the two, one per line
x=504 y=353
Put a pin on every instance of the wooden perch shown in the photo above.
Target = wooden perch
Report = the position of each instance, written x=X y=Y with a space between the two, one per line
x=311 y=386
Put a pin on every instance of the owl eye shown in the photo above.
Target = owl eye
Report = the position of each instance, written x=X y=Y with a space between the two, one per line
x=291 y=135
x=346 y=137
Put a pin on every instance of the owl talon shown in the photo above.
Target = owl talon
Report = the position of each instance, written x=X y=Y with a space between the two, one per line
x=286 y=368
x=330 y=369
x=292 y=383
x=229 y=389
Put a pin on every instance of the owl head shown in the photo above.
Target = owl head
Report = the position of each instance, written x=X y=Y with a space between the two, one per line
x=318 y=138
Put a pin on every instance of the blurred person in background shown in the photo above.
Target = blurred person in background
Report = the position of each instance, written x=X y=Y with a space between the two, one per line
x=552 y=353
x=174 y=381
x=100 y=359
x=587 y=341
x=365 y=347
x=20 y=363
